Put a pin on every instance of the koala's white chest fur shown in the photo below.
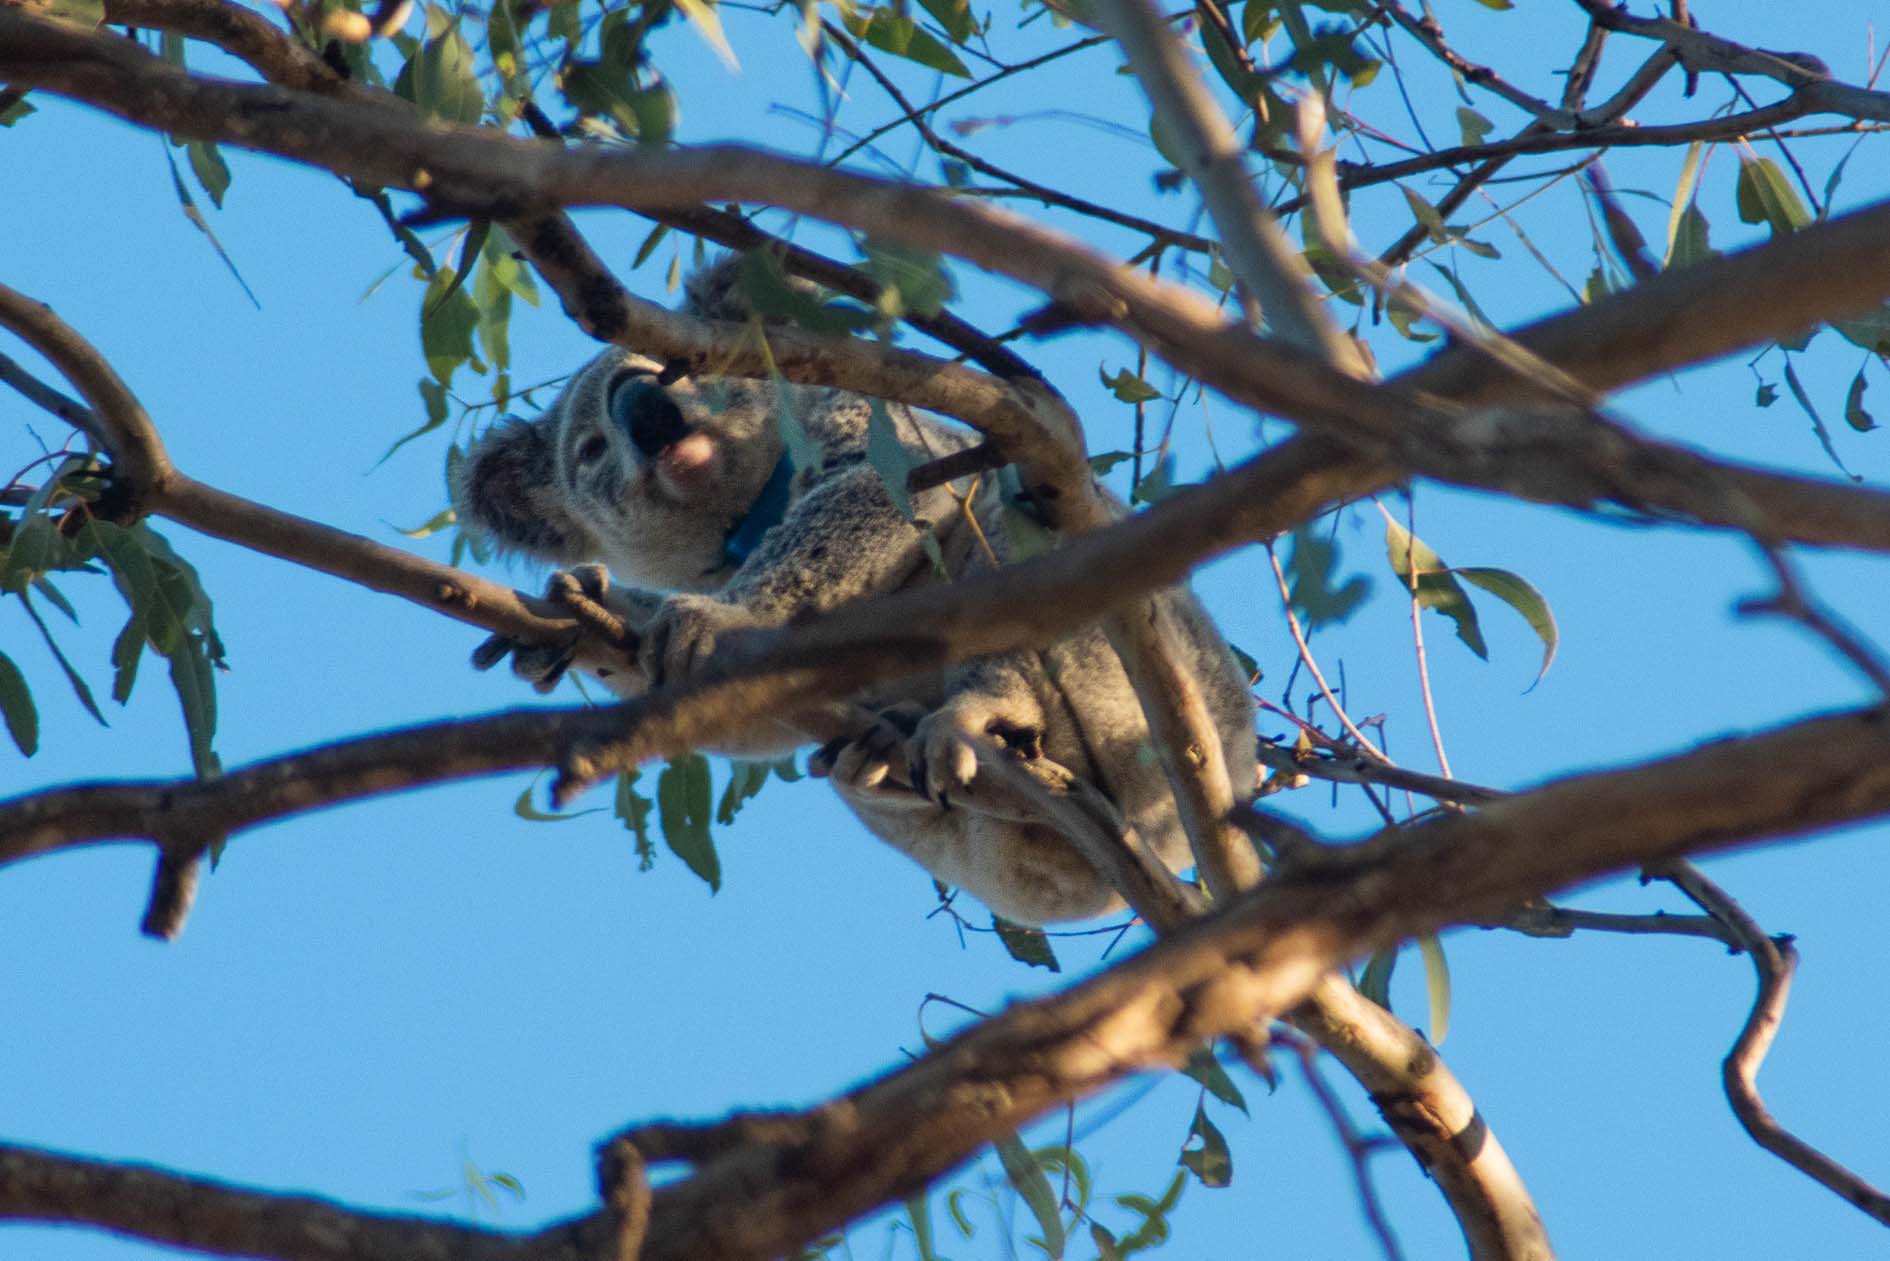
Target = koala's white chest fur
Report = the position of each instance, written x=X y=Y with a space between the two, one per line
x=678 y=485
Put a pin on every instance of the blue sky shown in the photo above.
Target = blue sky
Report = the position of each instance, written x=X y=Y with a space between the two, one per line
x=367 y=997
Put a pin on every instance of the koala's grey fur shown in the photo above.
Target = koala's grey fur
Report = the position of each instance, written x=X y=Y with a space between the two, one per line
x=572 y=487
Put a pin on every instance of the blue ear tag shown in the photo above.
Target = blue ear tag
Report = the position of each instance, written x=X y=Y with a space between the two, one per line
x=763 y=515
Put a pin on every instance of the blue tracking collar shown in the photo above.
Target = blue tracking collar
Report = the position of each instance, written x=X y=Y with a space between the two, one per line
x=763 y=515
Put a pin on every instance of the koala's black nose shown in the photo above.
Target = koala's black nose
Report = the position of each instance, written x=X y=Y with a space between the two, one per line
x=647 y=414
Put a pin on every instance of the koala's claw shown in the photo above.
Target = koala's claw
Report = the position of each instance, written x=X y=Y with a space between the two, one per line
x=863 y=763
x=682 y=636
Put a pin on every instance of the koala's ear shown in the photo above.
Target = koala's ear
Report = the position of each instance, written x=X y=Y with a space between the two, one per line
x=507 y=489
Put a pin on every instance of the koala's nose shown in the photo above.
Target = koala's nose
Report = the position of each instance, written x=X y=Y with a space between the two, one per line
x=648 y=414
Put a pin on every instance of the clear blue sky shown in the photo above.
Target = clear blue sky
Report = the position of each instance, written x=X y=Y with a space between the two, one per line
x=367 y=996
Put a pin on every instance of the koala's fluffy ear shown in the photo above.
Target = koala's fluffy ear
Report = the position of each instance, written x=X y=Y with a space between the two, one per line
x=507 y=489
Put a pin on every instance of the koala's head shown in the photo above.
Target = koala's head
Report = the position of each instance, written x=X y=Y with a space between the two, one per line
x=645 y=477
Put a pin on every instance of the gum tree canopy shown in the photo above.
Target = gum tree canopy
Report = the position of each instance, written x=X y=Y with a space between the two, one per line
x=1325 y=290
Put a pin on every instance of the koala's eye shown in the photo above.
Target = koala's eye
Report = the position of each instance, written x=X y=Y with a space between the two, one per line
x=592 y=449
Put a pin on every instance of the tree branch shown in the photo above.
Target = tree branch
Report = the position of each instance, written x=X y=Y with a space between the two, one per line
x=795 y=1176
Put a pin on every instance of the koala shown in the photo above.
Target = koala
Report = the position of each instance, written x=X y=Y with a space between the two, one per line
x=684 y=489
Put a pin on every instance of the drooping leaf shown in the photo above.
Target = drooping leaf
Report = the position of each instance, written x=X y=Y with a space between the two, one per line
x=1436 y=588
x=1158 y=485
x=1765 y=195
x=1516 y=591
x=1211 y=1162
x=207 y=164
x=919 y=1213
x=1204 y=1068
x=1153 y=1230
x=1026 y=945
x=954 y=16
x=1692 y=239
x=1473 y=126
x=745 y=779
x=442 y=79
x=1130 y=388
x=889 y=457
x=1375 y=982
x=1797 y=388
x=1027 y=1176
x=893 y=32
x=448 y=317
x=633 y=808
x=79 y=687
x=1309 y=573
x=1436 y=986
x=16 y=707
x=682 y=806
x=702 y=16
x=1854 y=413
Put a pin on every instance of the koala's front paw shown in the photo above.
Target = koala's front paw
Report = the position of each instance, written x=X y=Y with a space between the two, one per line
x=943 y=751
x=605 y=614
x=683 y=635
x=862 y=768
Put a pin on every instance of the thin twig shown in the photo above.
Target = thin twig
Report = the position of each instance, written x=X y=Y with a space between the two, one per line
x=1775 y=959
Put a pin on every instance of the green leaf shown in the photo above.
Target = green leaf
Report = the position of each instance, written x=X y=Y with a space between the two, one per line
x=127 y=655
x=1765 y=195
x=702 y=16
x=1309 y=574
x=1100 y=465
x=1436 y=986
x=447 y=320
x=1025 y=944
x=1065 y=1162
x=1515 y=591
x=1766 y=395
x=85 y=14
x=1426 y=215
x=1204 y=1068
x=14 y=111
x=893 y=32
x=1158 y=485
x=913 y=280
x=1259 y=19
x=889 y=456
x=1473 y=126
x=16 y=707
x=633 y=808
x=745 y=779
x=1130 y=388
x=206 y=162
x=1682 y=200
x=1436 y=588
x=1797 y=388
x=1692 y=239
x=1211 y=1162
x=919 y=1210
x=1498 y=5
x=682 y=806
x=954 y=16
x=443 y=80
x=1854 y=413
x=1375 y=983
x=56 y=598
x=79 y=687
x=955 y=1205
x=1026 y=1175
x=1153 y=1230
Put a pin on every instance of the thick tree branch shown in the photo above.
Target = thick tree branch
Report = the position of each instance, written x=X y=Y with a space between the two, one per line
x=1827 y=271
x=792 y=1177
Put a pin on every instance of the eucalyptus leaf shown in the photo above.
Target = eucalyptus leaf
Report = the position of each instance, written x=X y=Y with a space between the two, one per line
x=16 y=707
x=1517 y=592
x=1436 y=588
x=1027 y=1176
x=1025 y=944
x=1436 y=986
x=682 y=806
